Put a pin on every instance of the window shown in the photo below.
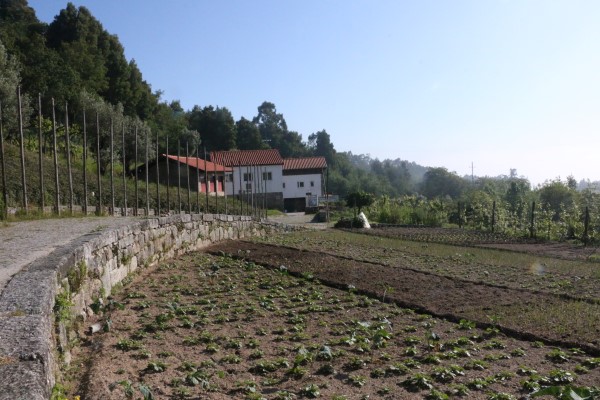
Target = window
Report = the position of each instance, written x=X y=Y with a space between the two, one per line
x=247 y=176
x=248 y=186
x=284 y=185
x=300 y=184
x=267 y=176
x=229 y=178
x=312 y=183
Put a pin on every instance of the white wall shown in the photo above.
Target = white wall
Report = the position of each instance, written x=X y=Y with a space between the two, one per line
x=293 y=191
x=274 y=185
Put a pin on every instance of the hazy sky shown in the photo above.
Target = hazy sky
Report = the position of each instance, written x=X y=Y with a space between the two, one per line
x=498 y=83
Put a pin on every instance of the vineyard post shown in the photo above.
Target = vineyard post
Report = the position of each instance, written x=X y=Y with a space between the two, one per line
x=586 y=225
x=459 y=216
x=248 y=179
x=157 y=179
x=146 y=169
x=178 y=177
x=70 y=171
x=493 y=215
x=85 y=193
x=56 y=187
x=112 y=168
x=22 y=148
x=252 y=178
x=225 y=189
x=168 y=176
x=40 y=156
x=137 y=199
x=232 y=189
x=198 y=184
x=240 y=178
x=206 y=182
x=4 y=188
x=98 y=177
x=124 y=164
x=265 y=191
x=216 y=188
x=187 y=174
x=532 y=224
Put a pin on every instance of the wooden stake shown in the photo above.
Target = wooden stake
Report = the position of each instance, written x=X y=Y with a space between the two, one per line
x=124 y=171
x=157 y=179
x=99 y=180
x=70 y=171
x=147 y=181
x=85 y=150
x=137 y=202
x=4 y=188
x=178 y=177
x=168 y=178
x=22 y=147
x=187 y=174
x=40 y=156
x=56 y=186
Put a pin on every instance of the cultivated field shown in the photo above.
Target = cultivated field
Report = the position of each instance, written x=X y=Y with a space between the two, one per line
x=338 y=315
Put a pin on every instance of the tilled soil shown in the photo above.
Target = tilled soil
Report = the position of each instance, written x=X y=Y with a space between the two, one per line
x=490 y=240
x=441 y=296
x=213 y=327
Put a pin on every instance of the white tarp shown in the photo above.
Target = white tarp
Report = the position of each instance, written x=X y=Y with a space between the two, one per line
x=364 y=219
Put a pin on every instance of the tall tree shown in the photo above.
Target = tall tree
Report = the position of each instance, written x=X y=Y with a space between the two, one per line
x=274 y=131
x=216 y=126
x=438 y=182
x=320 y=145
x=248 y=135
x=9 y=80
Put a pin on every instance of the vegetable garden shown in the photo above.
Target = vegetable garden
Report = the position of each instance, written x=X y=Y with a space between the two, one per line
x=338 y=315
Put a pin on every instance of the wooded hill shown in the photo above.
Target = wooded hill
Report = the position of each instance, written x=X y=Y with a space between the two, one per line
x=75 y=60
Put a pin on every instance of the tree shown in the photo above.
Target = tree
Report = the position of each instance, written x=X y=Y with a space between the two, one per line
x=439 y=182
x=216 y=126
x=274 y=131
x=358 y=200
x=320 y=145
x=556 y=196
x=248 y=135
x=9 y=81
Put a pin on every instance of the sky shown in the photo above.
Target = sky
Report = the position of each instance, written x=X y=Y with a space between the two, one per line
x=480 y=86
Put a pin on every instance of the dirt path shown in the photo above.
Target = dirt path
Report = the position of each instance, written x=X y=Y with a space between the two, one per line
x=299 y=218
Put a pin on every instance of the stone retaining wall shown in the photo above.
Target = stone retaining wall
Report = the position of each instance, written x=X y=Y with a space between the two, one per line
x=42 y=303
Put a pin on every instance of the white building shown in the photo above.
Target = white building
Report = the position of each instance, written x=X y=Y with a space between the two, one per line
x=256 y=175
x=262 y=176
x=303 y=182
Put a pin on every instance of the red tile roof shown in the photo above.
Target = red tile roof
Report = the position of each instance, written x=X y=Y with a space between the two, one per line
x=247 y=157
x=200 y=164
x=304 y=163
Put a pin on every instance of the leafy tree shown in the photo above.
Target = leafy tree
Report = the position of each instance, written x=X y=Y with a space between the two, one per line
x=358 y=200
x=216 y=126
x=274 y=131
x=248 y=135
x=320 y=145
x=81 y=41
x=10 y=79
x=556 y=195
x=439 y=182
